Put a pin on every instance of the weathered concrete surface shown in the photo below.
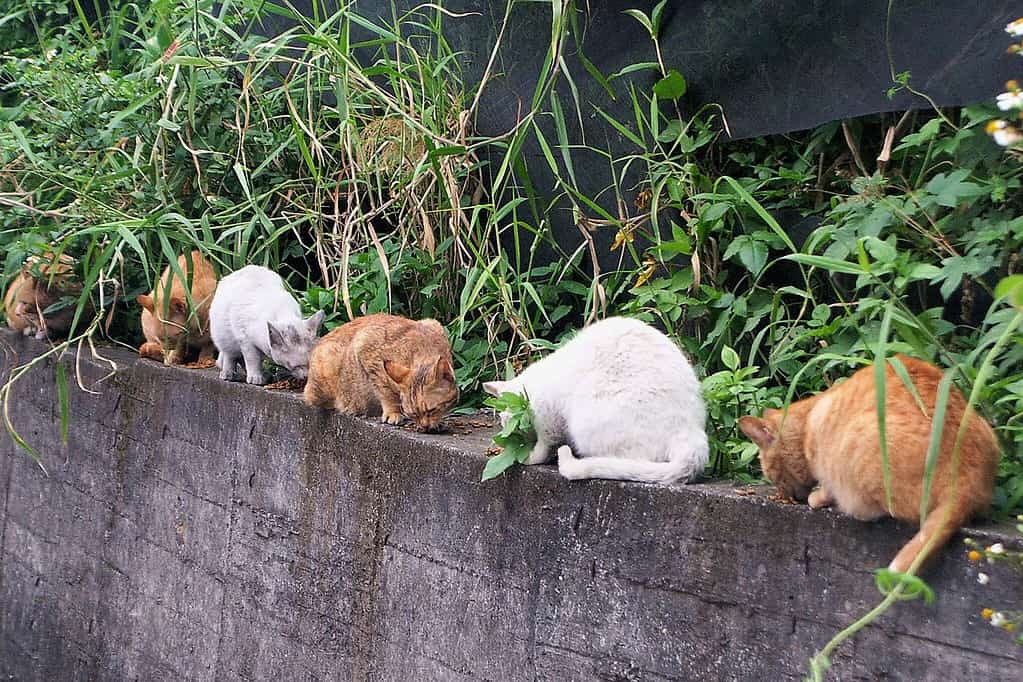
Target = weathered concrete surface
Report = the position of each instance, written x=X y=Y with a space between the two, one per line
x=195 y=529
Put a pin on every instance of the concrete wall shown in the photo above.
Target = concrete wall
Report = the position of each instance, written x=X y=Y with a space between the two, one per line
x=195 y=529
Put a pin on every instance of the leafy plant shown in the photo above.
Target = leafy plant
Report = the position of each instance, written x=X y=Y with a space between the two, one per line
x=516 y=437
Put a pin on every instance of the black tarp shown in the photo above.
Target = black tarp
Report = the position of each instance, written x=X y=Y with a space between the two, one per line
x=773 y=65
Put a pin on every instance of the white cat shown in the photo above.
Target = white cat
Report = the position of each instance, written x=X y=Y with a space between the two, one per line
x=621 y=395
x=253 y=315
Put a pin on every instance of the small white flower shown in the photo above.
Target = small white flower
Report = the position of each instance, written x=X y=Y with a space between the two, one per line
x=996 y=548
x=1006 y=137
x=1010 y=100
x=51 y=54
x=1003 y=133
x=1015 y=28
x=998 y=619
x=983 y=578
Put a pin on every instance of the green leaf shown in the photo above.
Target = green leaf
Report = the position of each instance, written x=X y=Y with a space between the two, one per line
x=1012 y=288
x=633 y=68
x=517 y=436
x=825 y=263
x=752 y=253
x=903 y=374
x=952 y=189
x=729 y=358
x=881 y=395
x=672 y=86
x=497 y=465
x=641 y=18
x=923 y=271
x=715 y=211
x=934 y=446
x=759 y=209
x=62 y=399
x=881 y=250
x=681 y=244
x=167 y=124
x=655 y=17
x=671 y=132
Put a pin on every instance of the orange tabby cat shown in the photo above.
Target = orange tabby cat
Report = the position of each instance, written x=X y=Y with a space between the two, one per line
x=169 y=329
x=832 y=439
x=384 y=365
x=41 y=283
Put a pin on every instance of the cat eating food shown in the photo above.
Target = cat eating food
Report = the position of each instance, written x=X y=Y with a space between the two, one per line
x=832 y=440
x=387 y=366
x=171 y=330
x=42 y=283
x=253 y=316
x=621 y=401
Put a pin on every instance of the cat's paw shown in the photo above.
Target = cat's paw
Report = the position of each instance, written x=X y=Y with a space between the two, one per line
x=568 y=465
x=819 y=499
x=153 y=351
x=226 y=375
x=391 y=418
x=255 y=379
x=540 y=454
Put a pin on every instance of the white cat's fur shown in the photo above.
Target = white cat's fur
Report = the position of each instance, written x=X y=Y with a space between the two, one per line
x=252 y=316
x=621 y=395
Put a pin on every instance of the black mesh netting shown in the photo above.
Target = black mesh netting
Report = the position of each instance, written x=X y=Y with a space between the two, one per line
x=773 y=65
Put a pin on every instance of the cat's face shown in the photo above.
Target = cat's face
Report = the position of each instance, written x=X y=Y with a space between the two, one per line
x=292 y=344
x=781 y=452
x=427 y=391
x=173 y=319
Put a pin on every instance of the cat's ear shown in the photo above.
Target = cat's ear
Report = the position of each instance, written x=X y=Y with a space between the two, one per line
x=443 y=371
x=275 y=335
x=398 y=372
x=146 y=301
x=313 y=323
x=495 y=388
x=758 y=431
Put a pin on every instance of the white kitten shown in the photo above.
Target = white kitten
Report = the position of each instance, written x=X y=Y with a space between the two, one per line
x=253 y=315
x=623 y=396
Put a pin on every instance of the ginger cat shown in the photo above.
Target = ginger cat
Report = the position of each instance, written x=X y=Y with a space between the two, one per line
x=170 y=329
x=387 y=366
x=41 y=283
x=832 y=439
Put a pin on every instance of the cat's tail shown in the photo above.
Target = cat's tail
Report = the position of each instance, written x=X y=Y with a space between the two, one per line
x=941 y=524
x=687 y=456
